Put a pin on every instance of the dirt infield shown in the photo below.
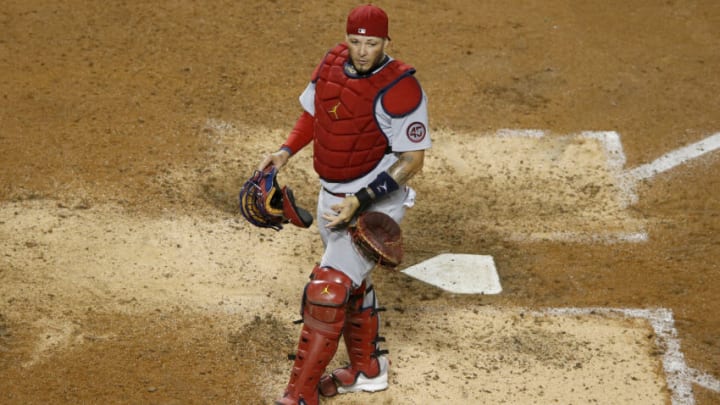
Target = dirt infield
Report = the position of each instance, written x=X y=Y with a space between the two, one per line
x=126 y=130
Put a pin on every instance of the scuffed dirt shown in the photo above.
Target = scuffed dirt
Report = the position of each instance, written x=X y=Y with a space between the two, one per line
x=126 y=130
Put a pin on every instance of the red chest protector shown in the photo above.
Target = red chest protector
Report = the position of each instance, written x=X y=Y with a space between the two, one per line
x=348 y=142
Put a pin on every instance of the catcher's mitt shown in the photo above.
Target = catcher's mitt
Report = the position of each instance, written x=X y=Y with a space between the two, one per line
x=379 y=238
x=265 y=204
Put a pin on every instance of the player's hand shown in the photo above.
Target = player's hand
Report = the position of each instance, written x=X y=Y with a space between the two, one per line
x=342 y=213
x=277 y=159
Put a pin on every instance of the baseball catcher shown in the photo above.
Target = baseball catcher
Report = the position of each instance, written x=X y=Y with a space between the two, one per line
x=365 y=115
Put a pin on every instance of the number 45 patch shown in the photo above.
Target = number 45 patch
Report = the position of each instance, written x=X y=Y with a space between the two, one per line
x=416 y=132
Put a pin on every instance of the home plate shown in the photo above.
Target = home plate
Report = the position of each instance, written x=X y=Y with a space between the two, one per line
x=458 y=273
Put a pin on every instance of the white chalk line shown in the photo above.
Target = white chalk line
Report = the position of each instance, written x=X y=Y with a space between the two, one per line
x=676 y=158
x=679 y=376
x=666 y=162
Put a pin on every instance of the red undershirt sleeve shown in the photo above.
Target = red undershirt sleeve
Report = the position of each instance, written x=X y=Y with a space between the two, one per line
x=301 y=134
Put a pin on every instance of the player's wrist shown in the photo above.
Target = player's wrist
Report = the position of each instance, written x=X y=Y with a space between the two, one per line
x=281 y=157
x=383 y=185
x=286 y=149
x=363 y=196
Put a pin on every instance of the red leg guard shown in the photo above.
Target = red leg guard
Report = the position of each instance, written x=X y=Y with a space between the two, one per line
x=361 y=339
x=324 y=308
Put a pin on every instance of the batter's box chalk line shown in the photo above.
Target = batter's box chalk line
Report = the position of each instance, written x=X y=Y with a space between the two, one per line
x=680 y=377
x=668 y=161
x=626 y=179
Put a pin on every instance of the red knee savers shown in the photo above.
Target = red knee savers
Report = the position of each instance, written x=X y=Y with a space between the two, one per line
x=327 y=295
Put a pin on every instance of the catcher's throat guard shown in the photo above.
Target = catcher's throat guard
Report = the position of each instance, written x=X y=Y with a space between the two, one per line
x=267 y=205
x=296 y=215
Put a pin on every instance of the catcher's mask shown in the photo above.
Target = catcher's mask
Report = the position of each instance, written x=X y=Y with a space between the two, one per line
x=267 y=205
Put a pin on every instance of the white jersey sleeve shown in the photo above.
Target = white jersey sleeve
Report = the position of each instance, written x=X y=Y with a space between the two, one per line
x=406 y=133
x=307 y=99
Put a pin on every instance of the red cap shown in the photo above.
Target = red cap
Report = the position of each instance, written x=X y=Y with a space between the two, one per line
x=368 y=20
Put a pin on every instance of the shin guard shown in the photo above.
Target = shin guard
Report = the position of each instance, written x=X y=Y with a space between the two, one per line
x=367 y=370
x=324 y=312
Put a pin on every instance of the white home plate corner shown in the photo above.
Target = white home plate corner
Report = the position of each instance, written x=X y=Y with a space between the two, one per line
x=458 y=273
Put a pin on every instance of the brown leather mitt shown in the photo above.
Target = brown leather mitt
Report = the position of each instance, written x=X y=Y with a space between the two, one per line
x=379 y=238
